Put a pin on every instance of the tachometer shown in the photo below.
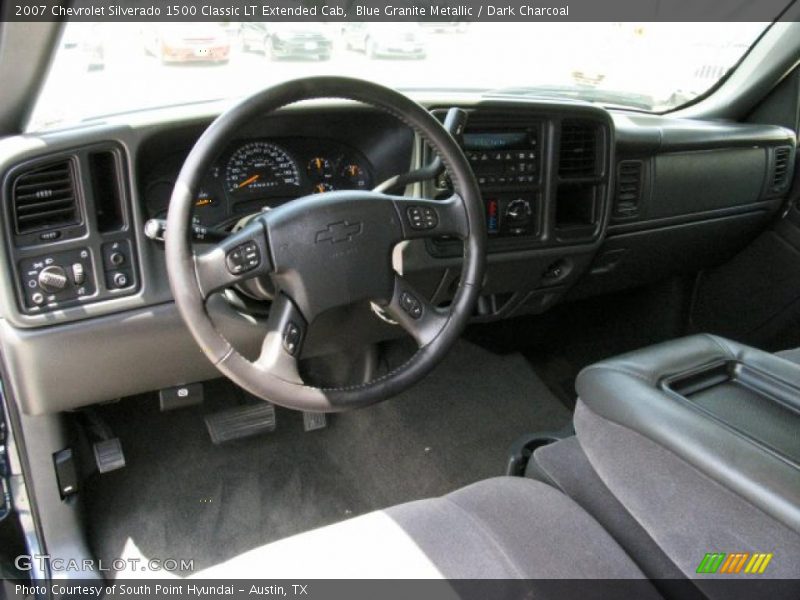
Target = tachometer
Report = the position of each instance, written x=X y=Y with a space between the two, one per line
x=260 y=167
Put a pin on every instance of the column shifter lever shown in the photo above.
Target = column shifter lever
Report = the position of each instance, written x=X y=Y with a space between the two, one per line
x=454 y=123
x=154 y=229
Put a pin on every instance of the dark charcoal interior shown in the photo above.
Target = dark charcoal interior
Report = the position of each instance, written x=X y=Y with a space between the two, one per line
x=670 y=239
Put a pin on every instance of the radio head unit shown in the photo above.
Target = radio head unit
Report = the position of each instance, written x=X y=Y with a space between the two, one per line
x=507 y=165
x=507 y=159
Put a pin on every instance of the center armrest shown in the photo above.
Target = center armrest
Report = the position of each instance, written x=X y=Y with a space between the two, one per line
x=731 y=411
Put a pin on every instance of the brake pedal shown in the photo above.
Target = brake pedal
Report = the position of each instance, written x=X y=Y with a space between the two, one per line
x=241 y=422
x=108 y=455
x=314 y=420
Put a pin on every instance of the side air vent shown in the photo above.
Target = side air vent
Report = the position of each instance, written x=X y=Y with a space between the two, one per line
x=45 y=198
x=629 y=188
x=780 y=169
x=578 y=155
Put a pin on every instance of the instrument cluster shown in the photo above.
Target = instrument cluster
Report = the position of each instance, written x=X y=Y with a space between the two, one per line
x=263 y=173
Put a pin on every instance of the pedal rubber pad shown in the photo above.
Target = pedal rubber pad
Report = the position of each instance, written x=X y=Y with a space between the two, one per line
x=314 y=420
x=241 y=422
x=108 y=455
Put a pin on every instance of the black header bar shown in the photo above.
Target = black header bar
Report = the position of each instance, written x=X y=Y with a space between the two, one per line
x=402 y=10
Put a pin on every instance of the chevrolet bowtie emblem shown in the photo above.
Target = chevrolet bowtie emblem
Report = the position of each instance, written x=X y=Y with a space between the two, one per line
x=343 y=231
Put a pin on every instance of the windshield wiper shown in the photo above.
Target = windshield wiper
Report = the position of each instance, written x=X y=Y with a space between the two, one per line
x=608 y=98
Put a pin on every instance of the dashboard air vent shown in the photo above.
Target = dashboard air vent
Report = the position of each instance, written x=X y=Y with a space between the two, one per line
x=629 y=188
x=578 y=155
x=780 y=169
x=45 y=198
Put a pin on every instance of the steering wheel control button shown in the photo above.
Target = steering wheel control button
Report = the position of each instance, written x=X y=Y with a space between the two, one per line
x=422 y=217
x=291 y=337
x=410 y=304
x=244 y=257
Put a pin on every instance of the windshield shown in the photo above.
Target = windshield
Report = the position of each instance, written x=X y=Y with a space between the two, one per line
x=108 y=68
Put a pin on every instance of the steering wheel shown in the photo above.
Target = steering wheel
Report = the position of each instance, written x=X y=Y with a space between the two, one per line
x=325 y=251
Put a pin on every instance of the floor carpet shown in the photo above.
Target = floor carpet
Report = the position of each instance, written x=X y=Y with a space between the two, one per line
x=181 y=496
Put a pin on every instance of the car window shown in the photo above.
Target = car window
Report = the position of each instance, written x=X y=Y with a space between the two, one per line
x=644 y=66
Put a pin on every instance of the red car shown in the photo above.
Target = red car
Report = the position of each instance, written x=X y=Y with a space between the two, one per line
x=188 y=42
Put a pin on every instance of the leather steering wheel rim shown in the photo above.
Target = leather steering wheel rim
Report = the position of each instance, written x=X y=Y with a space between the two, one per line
x=306 y=230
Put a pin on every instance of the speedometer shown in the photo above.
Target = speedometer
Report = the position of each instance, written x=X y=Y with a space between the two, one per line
x=260 y=168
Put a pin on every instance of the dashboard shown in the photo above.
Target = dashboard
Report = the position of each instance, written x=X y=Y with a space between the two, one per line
x=260 y=173
x=578 y=201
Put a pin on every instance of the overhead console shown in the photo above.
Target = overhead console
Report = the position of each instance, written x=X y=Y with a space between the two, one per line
x=68 y=229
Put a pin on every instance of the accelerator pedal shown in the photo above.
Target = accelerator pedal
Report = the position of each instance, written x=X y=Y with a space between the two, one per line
x=241 y=422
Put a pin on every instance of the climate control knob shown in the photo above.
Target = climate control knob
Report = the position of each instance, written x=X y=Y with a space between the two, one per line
x=518 y=211
x=52 y=279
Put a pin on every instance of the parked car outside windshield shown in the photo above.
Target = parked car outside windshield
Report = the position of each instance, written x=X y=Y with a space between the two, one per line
x=643 y=66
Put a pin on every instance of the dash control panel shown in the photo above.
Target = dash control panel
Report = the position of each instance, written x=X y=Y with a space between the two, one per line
x=57 y=280
x=118 y=265
x=71 y=277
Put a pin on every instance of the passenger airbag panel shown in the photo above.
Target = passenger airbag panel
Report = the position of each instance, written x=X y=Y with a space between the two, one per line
x=691 y=182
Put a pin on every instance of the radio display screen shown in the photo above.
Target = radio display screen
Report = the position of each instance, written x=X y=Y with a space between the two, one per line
x=497 y=140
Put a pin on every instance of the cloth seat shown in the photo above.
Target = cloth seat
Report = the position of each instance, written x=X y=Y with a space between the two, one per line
x=505 y=527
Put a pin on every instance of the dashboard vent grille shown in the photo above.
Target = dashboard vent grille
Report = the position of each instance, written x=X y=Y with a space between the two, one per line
x=629 y=188
x=45 y=198
x=578 y=156
x=780 y=169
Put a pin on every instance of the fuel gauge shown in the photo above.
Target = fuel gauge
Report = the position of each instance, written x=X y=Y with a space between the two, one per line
x=322 y=187
x=319 y=169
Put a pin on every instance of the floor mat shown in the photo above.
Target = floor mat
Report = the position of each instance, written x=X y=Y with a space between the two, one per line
x=181 y=496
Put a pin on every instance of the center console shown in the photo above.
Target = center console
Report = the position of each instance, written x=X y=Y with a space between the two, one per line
x=508 y=166
x=728 y=411
x=544 y=174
